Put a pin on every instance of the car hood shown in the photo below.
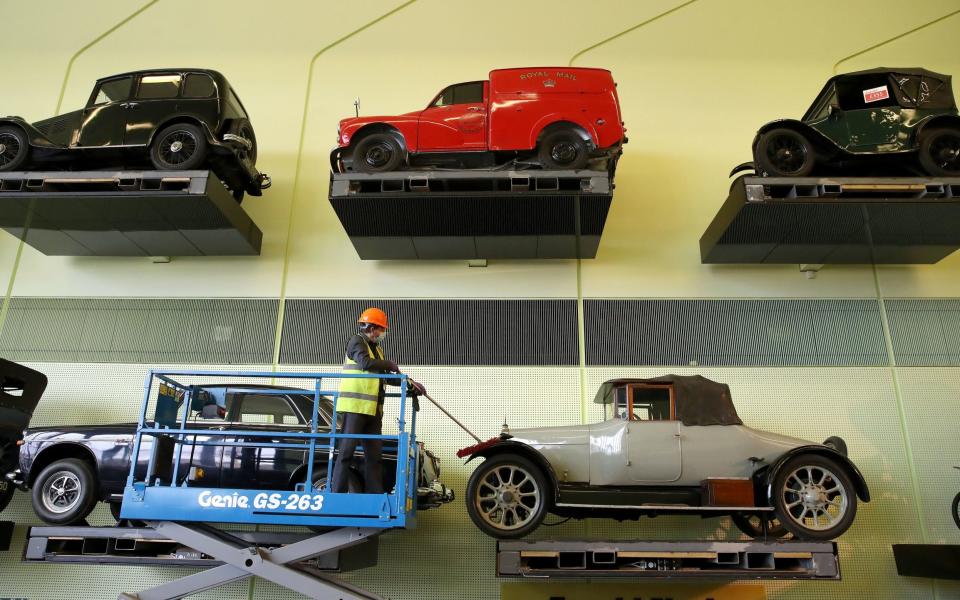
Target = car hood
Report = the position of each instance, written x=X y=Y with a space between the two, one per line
x=562 y=435
x=775 y=439
x=355 y=122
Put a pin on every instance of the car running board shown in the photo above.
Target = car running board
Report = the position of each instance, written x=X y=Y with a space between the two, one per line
x=668 y=507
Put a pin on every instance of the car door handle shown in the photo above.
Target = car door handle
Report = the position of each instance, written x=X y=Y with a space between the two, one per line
x=130 y=104
x=475 y=108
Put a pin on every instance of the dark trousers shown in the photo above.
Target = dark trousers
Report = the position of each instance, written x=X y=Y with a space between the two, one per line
x=372 y=450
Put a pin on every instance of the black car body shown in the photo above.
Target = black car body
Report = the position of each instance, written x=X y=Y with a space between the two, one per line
x=176 y=119
x=106 y=452
x=903 y=118
x=20 y=391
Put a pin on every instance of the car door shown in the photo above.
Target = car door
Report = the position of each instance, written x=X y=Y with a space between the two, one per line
x=653 y=435
x=258 y=466
x=455 y=120
x=154 y=101
x=870 y=112
x=104 y=120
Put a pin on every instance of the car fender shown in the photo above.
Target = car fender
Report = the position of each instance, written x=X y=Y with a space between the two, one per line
x=58 y=451
x=405 y=132
x=952 y=121
x=746 y=166
x=821 y=142
x=185 y=118
x=511 y=447
x=562 y=120
x=34 y=137
x=859 y=483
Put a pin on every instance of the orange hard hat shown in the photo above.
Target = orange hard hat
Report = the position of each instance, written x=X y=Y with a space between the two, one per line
x=374 y=316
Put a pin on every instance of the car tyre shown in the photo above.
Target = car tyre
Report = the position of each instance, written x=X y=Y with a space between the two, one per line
x=180 y=147
x=836 y=443
x=562 y=149
x=940 y=152
x=752 y=525
x=65 y=492
x=785 y=153
x=814 y=498
x=378 y=153
x=507 y=496
x=956 y=509
x=14 y=148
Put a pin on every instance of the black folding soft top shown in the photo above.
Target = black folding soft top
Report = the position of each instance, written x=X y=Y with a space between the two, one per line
x=913 y=87
x=699 y=400
x=20 y=391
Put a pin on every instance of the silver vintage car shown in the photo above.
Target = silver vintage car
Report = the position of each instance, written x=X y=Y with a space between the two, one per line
x=669 y=445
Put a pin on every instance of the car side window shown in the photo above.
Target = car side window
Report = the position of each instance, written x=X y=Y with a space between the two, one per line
x=154 y=87
x=461 y=93
x=824 y=111
x=114 y=90
x=651 y=403
x=198 y=85
x=267 y=409
x=866 y=92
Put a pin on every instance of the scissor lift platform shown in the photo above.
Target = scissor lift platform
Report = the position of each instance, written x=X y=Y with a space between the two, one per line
x=468 y=215
x=668 y=559
x=842 y=220
x=125 y=213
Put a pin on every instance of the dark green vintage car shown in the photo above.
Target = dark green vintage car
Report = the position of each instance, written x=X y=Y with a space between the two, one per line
x=880 y=120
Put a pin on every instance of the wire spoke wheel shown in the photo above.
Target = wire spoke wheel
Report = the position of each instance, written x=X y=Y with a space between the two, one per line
x=945 y=150
x=9 y=148
x=14 y=148
x=787 y=153
x=62 y=492
x=178 y=147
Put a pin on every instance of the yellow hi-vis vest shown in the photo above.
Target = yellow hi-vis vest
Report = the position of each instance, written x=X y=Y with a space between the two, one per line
x=359 y=394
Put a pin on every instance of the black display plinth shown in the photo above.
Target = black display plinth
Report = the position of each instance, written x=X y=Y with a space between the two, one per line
x=126 y=213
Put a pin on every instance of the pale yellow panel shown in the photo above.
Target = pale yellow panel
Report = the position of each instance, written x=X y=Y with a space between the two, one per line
x=695 y=86
x=399 y=65
x=265 y=54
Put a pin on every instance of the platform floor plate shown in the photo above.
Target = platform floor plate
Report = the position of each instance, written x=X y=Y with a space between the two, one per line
x=835 y=221
x=126 y=213
x=665 y=559
x=464 y=216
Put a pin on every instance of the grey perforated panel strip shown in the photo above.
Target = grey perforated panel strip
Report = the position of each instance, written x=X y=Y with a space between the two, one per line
x=437 y=332
x=925 y=332
x=124 y=330
x=734 y=332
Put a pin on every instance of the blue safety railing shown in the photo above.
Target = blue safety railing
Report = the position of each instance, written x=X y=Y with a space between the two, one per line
x=161 y=492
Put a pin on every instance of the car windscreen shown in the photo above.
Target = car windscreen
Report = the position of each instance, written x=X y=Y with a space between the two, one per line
x=305 y=406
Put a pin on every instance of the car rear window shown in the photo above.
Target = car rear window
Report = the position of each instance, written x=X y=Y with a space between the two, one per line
x=153 y=87
x=198 y=85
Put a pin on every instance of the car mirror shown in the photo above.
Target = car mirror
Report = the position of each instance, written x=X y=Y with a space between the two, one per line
x=833 y=111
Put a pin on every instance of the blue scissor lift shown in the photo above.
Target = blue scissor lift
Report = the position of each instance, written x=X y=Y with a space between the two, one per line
x=182 y=510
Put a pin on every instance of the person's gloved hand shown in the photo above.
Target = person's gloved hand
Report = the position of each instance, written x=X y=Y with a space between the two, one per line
x=419 y=388
x=394 y=367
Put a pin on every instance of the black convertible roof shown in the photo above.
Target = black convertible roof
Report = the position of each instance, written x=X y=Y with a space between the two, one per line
x=913 y=87
x=700 y=401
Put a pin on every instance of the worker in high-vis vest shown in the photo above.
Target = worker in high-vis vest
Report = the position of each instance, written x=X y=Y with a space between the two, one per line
x=360 y=401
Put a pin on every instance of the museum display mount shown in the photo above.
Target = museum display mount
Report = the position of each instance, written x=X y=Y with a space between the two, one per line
x=835 y=220
x=467 y=215
x=126 y=213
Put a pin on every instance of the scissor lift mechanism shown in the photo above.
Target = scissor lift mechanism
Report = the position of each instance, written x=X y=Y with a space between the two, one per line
x=182 y=511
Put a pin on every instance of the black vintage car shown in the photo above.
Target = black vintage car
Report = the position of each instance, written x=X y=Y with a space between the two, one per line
x=174 y=119
x=20 y=390
x=70 y=469
x=867 y=122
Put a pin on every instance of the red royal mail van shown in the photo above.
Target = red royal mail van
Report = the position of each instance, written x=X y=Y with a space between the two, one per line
x=552 y=117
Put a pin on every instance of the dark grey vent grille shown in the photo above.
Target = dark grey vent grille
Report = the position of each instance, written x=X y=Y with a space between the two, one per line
x=734 y=332
x=437 y=332
x=925 y=332
x=188 y=331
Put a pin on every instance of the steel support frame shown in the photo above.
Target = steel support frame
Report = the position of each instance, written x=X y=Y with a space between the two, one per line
x=242 y=560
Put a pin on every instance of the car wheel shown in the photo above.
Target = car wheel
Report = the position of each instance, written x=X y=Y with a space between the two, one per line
x=814 y=497
x=65 y=492
x=180 y=147
x=956 y=509
x=563 y=149
x=507 y=496
x=377 y=153
x=785 y=153
x=14 y=148
x=752 y=525
x=940 y=152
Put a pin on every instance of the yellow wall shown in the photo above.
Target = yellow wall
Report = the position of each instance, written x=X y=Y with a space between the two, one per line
x=694 y=87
